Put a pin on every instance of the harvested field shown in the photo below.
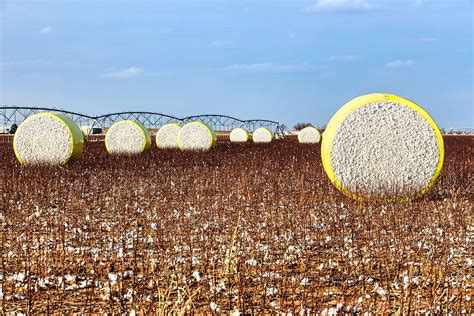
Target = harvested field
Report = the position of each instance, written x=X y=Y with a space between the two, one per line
x=250 y=227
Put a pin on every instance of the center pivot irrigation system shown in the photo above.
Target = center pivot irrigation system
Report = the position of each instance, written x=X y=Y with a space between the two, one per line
x=10 y=115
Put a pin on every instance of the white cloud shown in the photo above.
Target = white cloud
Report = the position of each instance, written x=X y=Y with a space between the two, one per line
x=270 y=67
x=123 y=74
x=221 y=44
x=399 y=63
x=322 y=6
x=48 y=29
x=344 y=58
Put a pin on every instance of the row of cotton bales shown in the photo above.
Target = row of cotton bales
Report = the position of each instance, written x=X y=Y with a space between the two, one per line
x=260 y=135
x=308 y=135
x=129 y=137
x=55 y=139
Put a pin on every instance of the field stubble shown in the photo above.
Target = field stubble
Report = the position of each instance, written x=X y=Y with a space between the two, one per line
x=244 y=228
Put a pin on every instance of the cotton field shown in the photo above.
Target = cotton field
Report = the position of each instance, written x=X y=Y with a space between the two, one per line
x=240 y=229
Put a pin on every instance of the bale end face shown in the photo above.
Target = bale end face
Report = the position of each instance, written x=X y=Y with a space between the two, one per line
x=262 y=135
x=309 y=135
x=239 y=135
x=196 y=136
x=381 y=146
x=167 y=136
x=48 y=138
x=127 y=137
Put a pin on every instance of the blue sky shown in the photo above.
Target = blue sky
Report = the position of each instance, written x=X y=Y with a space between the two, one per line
x=289 y=61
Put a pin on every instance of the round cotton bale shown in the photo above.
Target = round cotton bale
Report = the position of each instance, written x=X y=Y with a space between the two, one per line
x=309 y=135
x=196 y=136
x=262 y=135
x=167 y=136
x=48 y=138
x=127 y=137
x=239 y=135
x=381 y=146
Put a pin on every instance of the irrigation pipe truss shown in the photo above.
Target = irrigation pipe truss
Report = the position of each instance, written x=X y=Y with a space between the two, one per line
x=16 y=114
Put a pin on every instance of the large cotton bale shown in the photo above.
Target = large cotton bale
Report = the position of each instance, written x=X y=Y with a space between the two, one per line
x=239 y=135
x=381 y=146
x=309 y=135
x=127 y=137
x=196 y=136
x=48 y=138
x=262 y=135
x=167 y=136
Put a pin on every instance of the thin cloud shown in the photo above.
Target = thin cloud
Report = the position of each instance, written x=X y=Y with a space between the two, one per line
x=269 y=68
x=342 y=6
x=46 y=30
x=221 y=44
x=400 y=63
x=344 y=58
x=417 y=40
x=165 y=31
x=123 y=74
x=427 y=39
x=418 y=3
x=39 y=63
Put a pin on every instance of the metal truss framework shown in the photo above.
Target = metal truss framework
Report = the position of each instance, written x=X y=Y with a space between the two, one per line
x=10 y=115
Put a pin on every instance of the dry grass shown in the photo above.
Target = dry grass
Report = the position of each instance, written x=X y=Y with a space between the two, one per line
x=242 y=228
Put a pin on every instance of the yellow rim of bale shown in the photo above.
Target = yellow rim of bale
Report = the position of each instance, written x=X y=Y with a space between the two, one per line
x=143 y=129
x=246 y=133
x=171 y=124
x=75 y=135
x=209 y=130
x=344 y=111
x=310 y=127
x=266 y=129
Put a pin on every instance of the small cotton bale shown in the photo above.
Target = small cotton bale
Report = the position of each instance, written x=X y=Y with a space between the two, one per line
x=196 y=136
x=239 y=135
x=127 y=137
x=309 y=135
x=48 y=138
x=381 y=146
x=167 y=136
x=262 y=135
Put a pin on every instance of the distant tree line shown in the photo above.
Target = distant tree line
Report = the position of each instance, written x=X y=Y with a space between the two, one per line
x=301 y=125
